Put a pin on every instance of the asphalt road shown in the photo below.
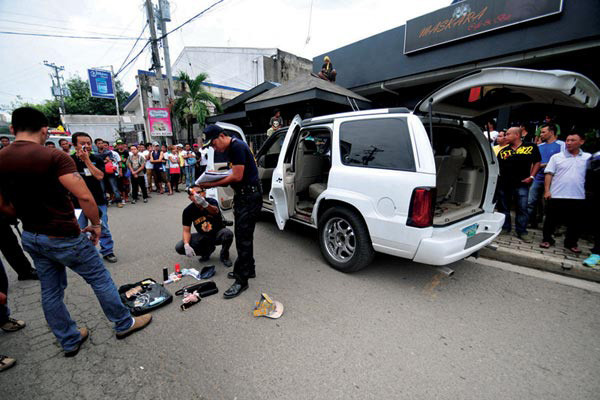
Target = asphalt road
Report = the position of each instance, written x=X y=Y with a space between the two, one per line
x=394 y=330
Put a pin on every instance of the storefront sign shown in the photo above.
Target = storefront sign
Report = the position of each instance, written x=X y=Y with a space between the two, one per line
x=472 y=17
x=101 y=84
x=159 y=120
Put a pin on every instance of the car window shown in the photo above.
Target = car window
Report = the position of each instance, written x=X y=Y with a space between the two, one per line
x=377 y=143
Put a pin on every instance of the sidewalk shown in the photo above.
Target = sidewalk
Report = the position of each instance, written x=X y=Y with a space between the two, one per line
x=556 y=259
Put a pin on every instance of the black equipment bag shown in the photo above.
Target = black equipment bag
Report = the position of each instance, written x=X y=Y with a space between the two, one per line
x=144 y=296
x=204 y=289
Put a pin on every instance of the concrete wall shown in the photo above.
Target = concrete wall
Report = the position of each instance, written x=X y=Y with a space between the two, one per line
x=242 y=68
x=237 y=67
x=285 y=67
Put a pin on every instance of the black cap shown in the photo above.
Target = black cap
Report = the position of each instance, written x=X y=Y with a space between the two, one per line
x=211 y=132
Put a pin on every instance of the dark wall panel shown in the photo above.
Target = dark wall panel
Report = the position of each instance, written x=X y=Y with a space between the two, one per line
x=381 y=57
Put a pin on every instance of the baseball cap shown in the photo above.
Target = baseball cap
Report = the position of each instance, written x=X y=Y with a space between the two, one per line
x=195 y=144
x=179 y=145
x=119 y=141
x=211 y=132
x=266 y=307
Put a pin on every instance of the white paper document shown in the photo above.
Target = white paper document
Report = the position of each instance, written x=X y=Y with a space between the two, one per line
x=211 y=176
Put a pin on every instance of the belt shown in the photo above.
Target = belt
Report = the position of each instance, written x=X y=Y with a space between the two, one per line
x=248 y=189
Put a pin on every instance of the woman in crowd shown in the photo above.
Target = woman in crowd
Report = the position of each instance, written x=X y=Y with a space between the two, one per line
x=174 y=168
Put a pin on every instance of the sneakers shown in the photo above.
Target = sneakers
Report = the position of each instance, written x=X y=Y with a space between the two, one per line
x=6 y=362
x=111 y=258
x=592 y=260
x=146 y=200
x=13 y=325
x=84 y=336
x=525 y=238
x=133 y=201
x=138 y=323
x=119 y=205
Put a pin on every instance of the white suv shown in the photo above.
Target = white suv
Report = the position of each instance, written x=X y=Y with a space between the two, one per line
x=418 y=185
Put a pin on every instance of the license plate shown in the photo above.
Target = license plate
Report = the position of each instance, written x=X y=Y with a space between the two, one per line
x=470 y=230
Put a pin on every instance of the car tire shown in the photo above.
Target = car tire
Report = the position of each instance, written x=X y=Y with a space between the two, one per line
x=341 y=229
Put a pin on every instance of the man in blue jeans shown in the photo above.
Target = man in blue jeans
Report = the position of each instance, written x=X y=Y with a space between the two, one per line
x=519 y=163
x=111 y=171
x=35 y=182
x=91 y=169
x=548 y=148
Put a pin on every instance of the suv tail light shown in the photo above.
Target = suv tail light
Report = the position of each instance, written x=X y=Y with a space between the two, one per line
x=420 y=213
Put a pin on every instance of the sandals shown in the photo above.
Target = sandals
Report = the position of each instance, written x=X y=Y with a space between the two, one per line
x=13 y=325
x=545 y=245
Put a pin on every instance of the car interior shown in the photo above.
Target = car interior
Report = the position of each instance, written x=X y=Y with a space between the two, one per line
x=312 y=162
x=307 y=172
x=461 y=174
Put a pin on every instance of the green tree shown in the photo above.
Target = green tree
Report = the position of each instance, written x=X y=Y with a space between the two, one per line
x=193 y=104
x=81 y=102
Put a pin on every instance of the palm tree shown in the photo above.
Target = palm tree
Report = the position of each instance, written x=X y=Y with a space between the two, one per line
x=194 y=102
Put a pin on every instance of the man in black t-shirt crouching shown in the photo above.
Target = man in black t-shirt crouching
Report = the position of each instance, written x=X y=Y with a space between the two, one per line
x=204 y=213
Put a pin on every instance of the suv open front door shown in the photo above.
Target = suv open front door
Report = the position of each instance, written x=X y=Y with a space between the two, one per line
x=282 y=184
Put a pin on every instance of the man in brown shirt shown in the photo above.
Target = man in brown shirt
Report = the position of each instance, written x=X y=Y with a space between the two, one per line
x=35 y=182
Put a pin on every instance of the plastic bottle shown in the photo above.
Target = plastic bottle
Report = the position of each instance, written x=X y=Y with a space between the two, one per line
x=178 y=269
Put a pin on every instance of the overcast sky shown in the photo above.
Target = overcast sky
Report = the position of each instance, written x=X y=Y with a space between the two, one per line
x=240 y=23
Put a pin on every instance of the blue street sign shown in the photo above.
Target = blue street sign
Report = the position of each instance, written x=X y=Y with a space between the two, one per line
x=101 y=84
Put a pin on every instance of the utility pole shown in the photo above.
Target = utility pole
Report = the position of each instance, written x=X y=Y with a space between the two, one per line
x=155 y=53
x=164 y=17
x=57 y=90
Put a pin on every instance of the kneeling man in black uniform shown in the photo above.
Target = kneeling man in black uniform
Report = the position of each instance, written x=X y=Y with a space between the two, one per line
x=204 y=213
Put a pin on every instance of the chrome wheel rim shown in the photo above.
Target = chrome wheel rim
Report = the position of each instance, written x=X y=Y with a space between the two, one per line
x=339 y=239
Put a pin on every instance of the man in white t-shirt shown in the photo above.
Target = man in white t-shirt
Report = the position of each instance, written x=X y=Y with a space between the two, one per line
x=565 y=192
x=490 y=131
x=145 y=151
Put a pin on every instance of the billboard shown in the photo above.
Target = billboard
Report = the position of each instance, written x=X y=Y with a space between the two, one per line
x=159 y=120
x=472 y=17
x=101 y=84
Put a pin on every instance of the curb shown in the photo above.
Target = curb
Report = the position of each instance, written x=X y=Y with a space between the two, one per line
x=542 y=262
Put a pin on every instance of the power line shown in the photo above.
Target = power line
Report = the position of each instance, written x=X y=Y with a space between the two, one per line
x=133 y=59
x=68 y=36
x=133 y=47
x=59 y=27
x=191 y=19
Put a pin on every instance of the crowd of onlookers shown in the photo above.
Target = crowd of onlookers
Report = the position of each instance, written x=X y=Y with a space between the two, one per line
x=547 y=179
x=140 y=167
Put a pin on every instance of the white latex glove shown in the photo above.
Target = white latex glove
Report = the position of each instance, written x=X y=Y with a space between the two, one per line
x=189 y=251
x=201 y=201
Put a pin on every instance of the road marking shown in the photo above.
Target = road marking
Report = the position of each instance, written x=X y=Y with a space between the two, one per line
x=536 y=273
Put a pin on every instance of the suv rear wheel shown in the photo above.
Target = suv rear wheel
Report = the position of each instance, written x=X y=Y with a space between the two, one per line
x=344 y=240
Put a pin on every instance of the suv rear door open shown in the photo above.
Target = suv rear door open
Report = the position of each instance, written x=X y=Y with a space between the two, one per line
x=489 y=89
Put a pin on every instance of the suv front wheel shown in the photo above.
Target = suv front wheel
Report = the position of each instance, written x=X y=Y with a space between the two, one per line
x=344 y=240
